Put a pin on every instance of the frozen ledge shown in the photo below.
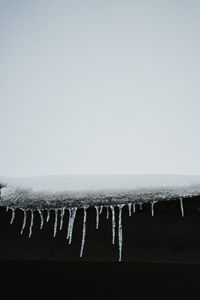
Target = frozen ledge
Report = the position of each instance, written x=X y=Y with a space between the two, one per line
x=61 y=193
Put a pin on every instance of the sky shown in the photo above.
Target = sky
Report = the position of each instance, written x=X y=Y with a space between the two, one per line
x=99 y=87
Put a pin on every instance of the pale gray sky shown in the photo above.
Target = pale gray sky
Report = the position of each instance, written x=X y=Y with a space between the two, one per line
x=99 y=87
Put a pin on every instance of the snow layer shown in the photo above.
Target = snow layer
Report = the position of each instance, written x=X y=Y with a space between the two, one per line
x=80 y=190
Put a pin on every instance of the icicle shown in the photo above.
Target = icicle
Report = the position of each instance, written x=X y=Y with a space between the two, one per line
x=41 y=218
x=13 y=216
x=7 y=208
x=97 y=217
x=61 y=217
x=129 y=209
x=31 y=224
x=84 y=230
x=120 y=231
x=72 y=223
x=101 y=209
x=134 y=207
x=55 y=222
x=181 y=205
x=113 y=224
x=140 y=206
x=48 y=215
x=107 y=212
x=69 y=222
x=24 y=222
x=152 y=207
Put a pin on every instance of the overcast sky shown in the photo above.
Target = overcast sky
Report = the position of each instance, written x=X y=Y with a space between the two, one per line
x=99 y=87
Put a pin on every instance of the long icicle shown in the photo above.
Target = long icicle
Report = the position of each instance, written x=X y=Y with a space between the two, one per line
x=74 y=209
x=181 y=205
x=113 y=224
x=84 y=230
x=129 y=209
x=97 y=217
x=55 y=222
x=13 y=216
x=107 y=212
x=31 y=224
x=120 y=237
x=24 y=221
x=61 y=217
x=69 y=222
x=41 y=218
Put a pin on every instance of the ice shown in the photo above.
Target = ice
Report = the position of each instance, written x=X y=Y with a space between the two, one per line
x=181 y=205
x=101 y=209
x=69 y=222
x=48 y=215
x=120 y=238
x=152 y=207
x=134 y=207
x=97 y=217
x=107 y=212
x=41 y=218
x=73 y=216
x=55 y=222
x=113 y=224
x=13 y=215
x=31 y=224
x=84 y=230
x=24 y=221
x=129 y=209
x=62 y=216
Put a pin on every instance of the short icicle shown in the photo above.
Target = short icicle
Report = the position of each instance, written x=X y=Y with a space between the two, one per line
x=84 y=230
x=7 y=208
x=152 y=208
x=73 y=216
x=140 y=206
x=62 y=216
x=41 y=218
x=107 y=212
x=31 y=224
x=97 y=217
x=24 y=221
x=101 y=209
x=55 y=222
x=13 y=216
x=129 y=209
x=181 y=205
x=48 y=215
x=133 y=207
x=113 y=224
x=120 y=238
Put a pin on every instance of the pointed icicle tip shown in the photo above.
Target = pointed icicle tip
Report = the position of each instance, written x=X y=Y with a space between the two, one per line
x=84 y=230
x=24 y=222
x=31 y=224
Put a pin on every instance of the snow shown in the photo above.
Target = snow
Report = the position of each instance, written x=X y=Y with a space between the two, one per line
x=76 y=183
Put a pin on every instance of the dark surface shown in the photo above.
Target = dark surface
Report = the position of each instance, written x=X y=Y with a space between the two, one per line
x=61 y=280
x=161 y=256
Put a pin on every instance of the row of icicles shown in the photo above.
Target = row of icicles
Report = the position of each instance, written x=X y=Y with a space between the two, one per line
x=72 y=216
